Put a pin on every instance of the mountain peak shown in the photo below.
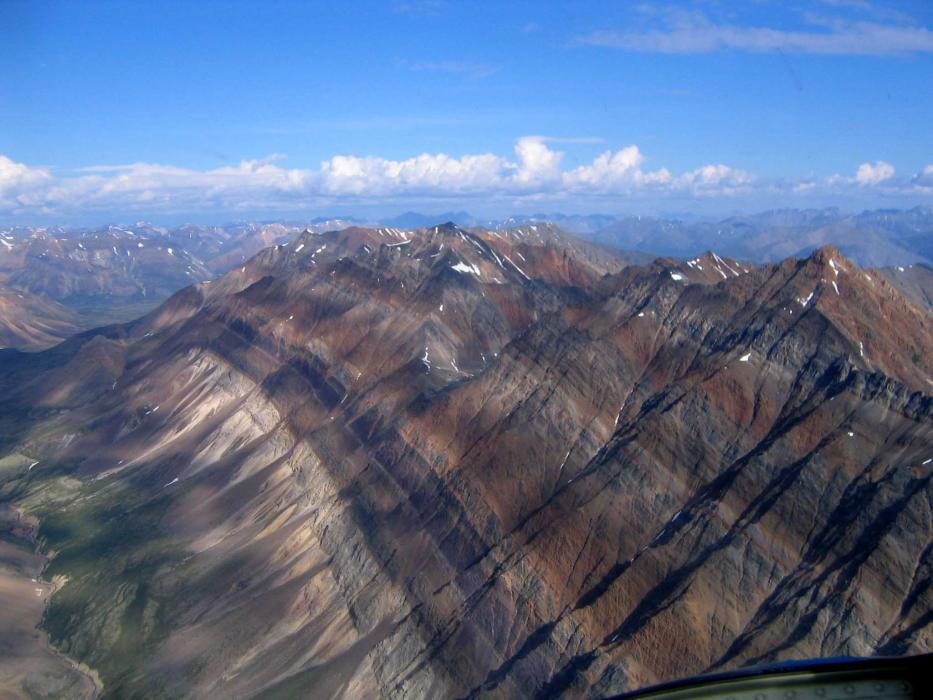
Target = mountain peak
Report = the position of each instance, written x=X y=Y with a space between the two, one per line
x=827 y=253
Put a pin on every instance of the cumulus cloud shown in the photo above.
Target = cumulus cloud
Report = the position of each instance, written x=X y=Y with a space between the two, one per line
x=342 y=175
x=537 y=162
x=619 y=170
x=868 y=174
x=717 y=179
x=534 y=171
x=20 y=184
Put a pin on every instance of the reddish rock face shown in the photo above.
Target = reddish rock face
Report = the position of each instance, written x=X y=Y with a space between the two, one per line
x=453 y=463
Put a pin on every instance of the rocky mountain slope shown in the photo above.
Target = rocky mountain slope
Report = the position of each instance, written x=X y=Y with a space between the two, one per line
x=450 y=463
x=118 y=273
x=29 y=321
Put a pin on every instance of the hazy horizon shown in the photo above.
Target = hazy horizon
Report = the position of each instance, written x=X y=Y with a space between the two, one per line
x=441 y=215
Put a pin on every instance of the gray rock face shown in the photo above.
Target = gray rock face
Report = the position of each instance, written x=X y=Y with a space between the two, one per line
x=473 y=464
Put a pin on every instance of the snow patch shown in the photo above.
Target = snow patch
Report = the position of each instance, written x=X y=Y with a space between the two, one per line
x=746 y=357
x=464 y=267
x=725 y=265
x=566 y=457
x=520 y=271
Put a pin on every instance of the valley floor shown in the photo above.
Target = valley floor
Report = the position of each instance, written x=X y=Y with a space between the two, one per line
x=29 y=666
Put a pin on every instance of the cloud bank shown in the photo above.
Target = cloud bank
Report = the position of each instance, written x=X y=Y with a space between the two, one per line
x=534 y=171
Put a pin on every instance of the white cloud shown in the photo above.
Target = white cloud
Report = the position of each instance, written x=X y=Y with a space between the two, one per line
x=342 y=175
x=924 y=179
x=20 y=184
x=535 y=172
x=690 y=32
x=868 y=174
x=717 y=179
x=537 y=162
x=613 y=171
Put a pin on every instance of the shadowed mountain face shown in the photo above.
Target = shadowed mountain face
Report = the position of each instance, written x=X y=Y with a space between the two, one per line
x=481 y=464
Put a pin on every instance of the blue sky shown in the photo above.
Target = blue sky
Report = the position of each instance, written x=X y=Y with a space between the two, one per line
x=182 y=111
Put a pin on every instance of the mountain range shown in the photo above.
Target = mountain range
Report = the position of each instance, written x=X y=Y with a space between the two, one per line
x=873 y=239
x=464 y=462
x=118 y=272
x=69 y=279
x=878 y=238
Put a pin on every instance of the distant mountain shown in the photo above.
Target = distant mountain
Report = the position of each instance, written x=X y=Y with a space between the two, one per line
x=479 y=463
x=333 y=223
x=578 y=224
x=913 y=281
x=874 y=239
x=411 y=220
x=116 y=273
x=879 y=238
x=581 y=225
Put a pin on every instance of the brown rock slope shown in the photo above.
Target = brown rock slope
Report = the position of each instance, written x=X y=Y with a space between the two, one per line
x=471 y=464
x=28 y=321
